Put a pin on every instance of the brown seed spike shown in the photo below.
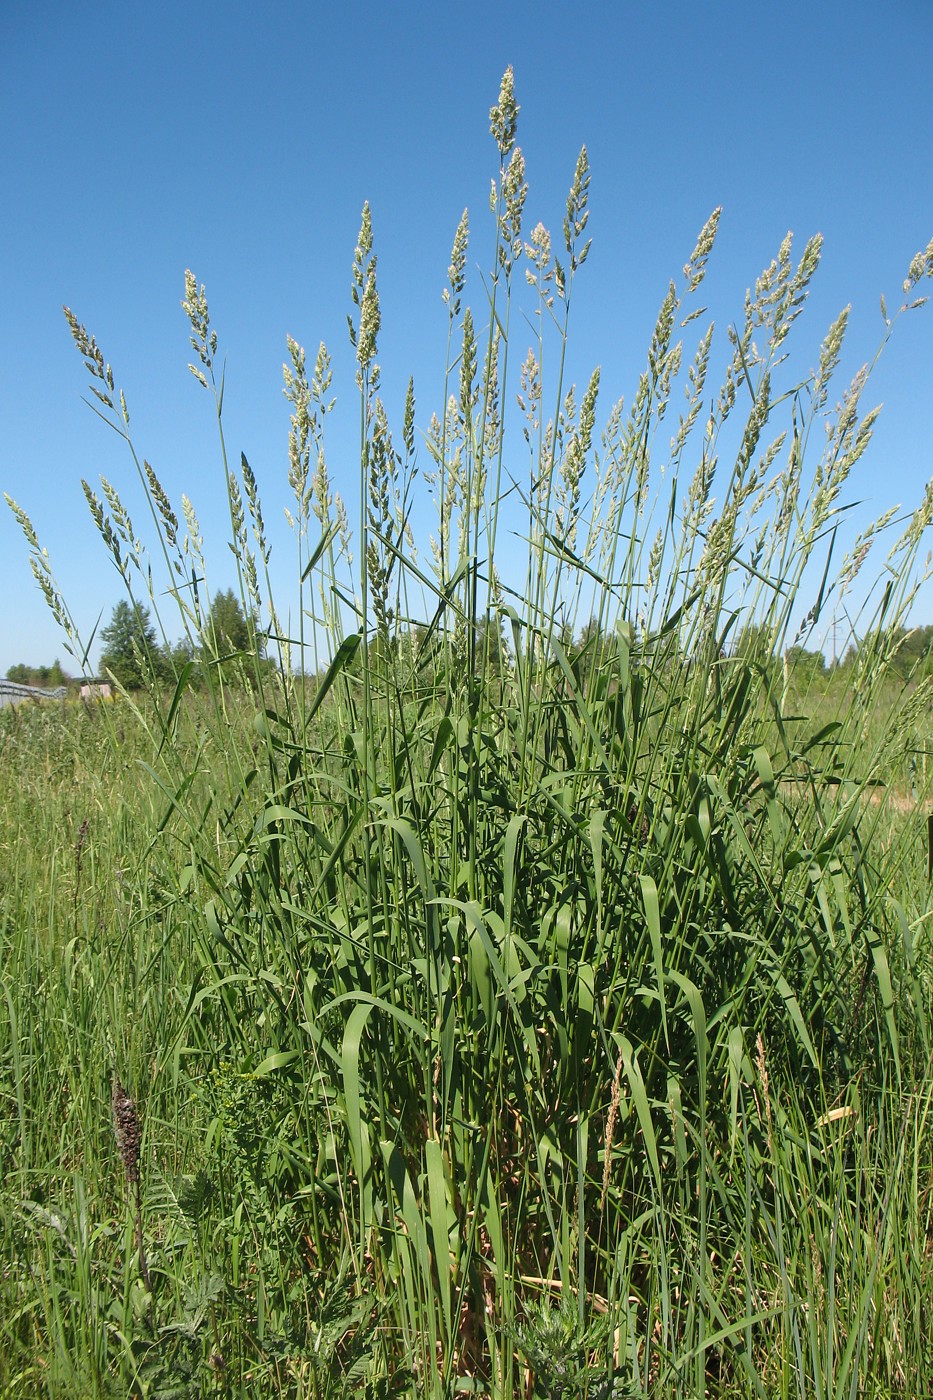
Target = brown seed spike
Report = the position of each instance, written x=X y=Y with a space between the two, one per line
x=127 y=1132
x=126 y=1128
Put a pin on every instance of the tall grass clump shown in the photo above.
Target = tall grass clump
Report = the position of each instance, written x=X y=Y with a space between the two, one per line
x=520 y=993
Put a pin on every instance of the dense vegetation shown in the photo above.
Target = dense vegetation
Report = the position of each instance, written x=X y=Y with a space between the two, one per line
x=537 y=1001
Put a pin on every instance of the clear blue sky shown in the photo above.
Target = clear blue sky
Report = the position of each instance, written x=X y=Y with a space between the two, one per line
x=241 y=141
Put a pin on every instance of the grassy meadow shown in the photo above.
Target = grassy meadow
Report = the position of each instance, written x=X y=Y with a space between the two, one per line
x=523 y=986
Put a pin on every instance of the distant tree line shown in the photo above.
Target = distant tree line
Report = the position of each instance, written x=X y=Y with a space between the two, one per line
x=46 y=677
x=133 y=655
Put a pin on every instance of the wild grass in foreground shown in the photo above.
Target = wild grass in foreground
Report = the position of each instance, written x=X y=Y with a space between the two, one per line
x=535 y=1003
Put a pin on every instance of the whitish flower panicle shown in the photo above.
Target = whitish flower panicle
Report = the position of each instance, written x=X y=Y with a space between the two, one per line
x=541 y=272
x=757 y=418
x=434 y=441
x=469 y=389
x=791 y=305
x=237 y=515
x=370 y=321
x=452 y=429
x=409 y=536
x=456 y=272
x=366 y=299
x=758 y=548
x=695 y=269
x=203 y=339
x=23 y=521
x=93 y=360
x=321 y=382
x=921 y=265
x=251 y=488
x=492 y=420
x=920 y=521
x=604 y=465
x=744 y=360
x=830 y=351
x=478 y=484
x=717 y=549
x=298 y=393
x=654 y=564
x=343 y=526
x=167 y=515
x=503 y=118
x=42 y=573
x=382 y=472
x=251 y=579
x=458 y=496
x=123 y=523
x=670 y=368
x=789 y=486
x=641 y=405
x=382 y=478
x=696 y=381
x=642 y=474
x=856 y=557
x=193 y=547
x=106 y=530
x=661 y=336
x=578 y=214
x=770 y=454
x=908 y=731
x=514 y=194
x=780 y=292
x=699 y=503
x=846 y=442
x=770 y=285
x=573 y=465
x=364 y=247
x=613 y=428
x=529 y=400
x=408 y=421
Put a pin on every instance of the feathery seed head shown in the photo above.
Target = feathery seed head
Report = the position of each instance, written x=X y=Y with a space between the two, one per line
x=126 y=1128
x=364 y=246
x=503 y=118
x=22 y=519
x=695 y=269
x=169 y=518
x=369 y=322
x=456 y=272
x=93 y=358
x=921 y=265
x=538 y=252
x=468 y=387
x=577 y=215
x=322 y=379
x=514 y=193
x=203 y=339
x=408 y=419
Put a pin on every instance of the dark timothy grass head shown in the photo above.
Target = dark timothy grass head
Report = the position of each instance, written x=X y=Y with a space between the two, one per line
x=126 y=1128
